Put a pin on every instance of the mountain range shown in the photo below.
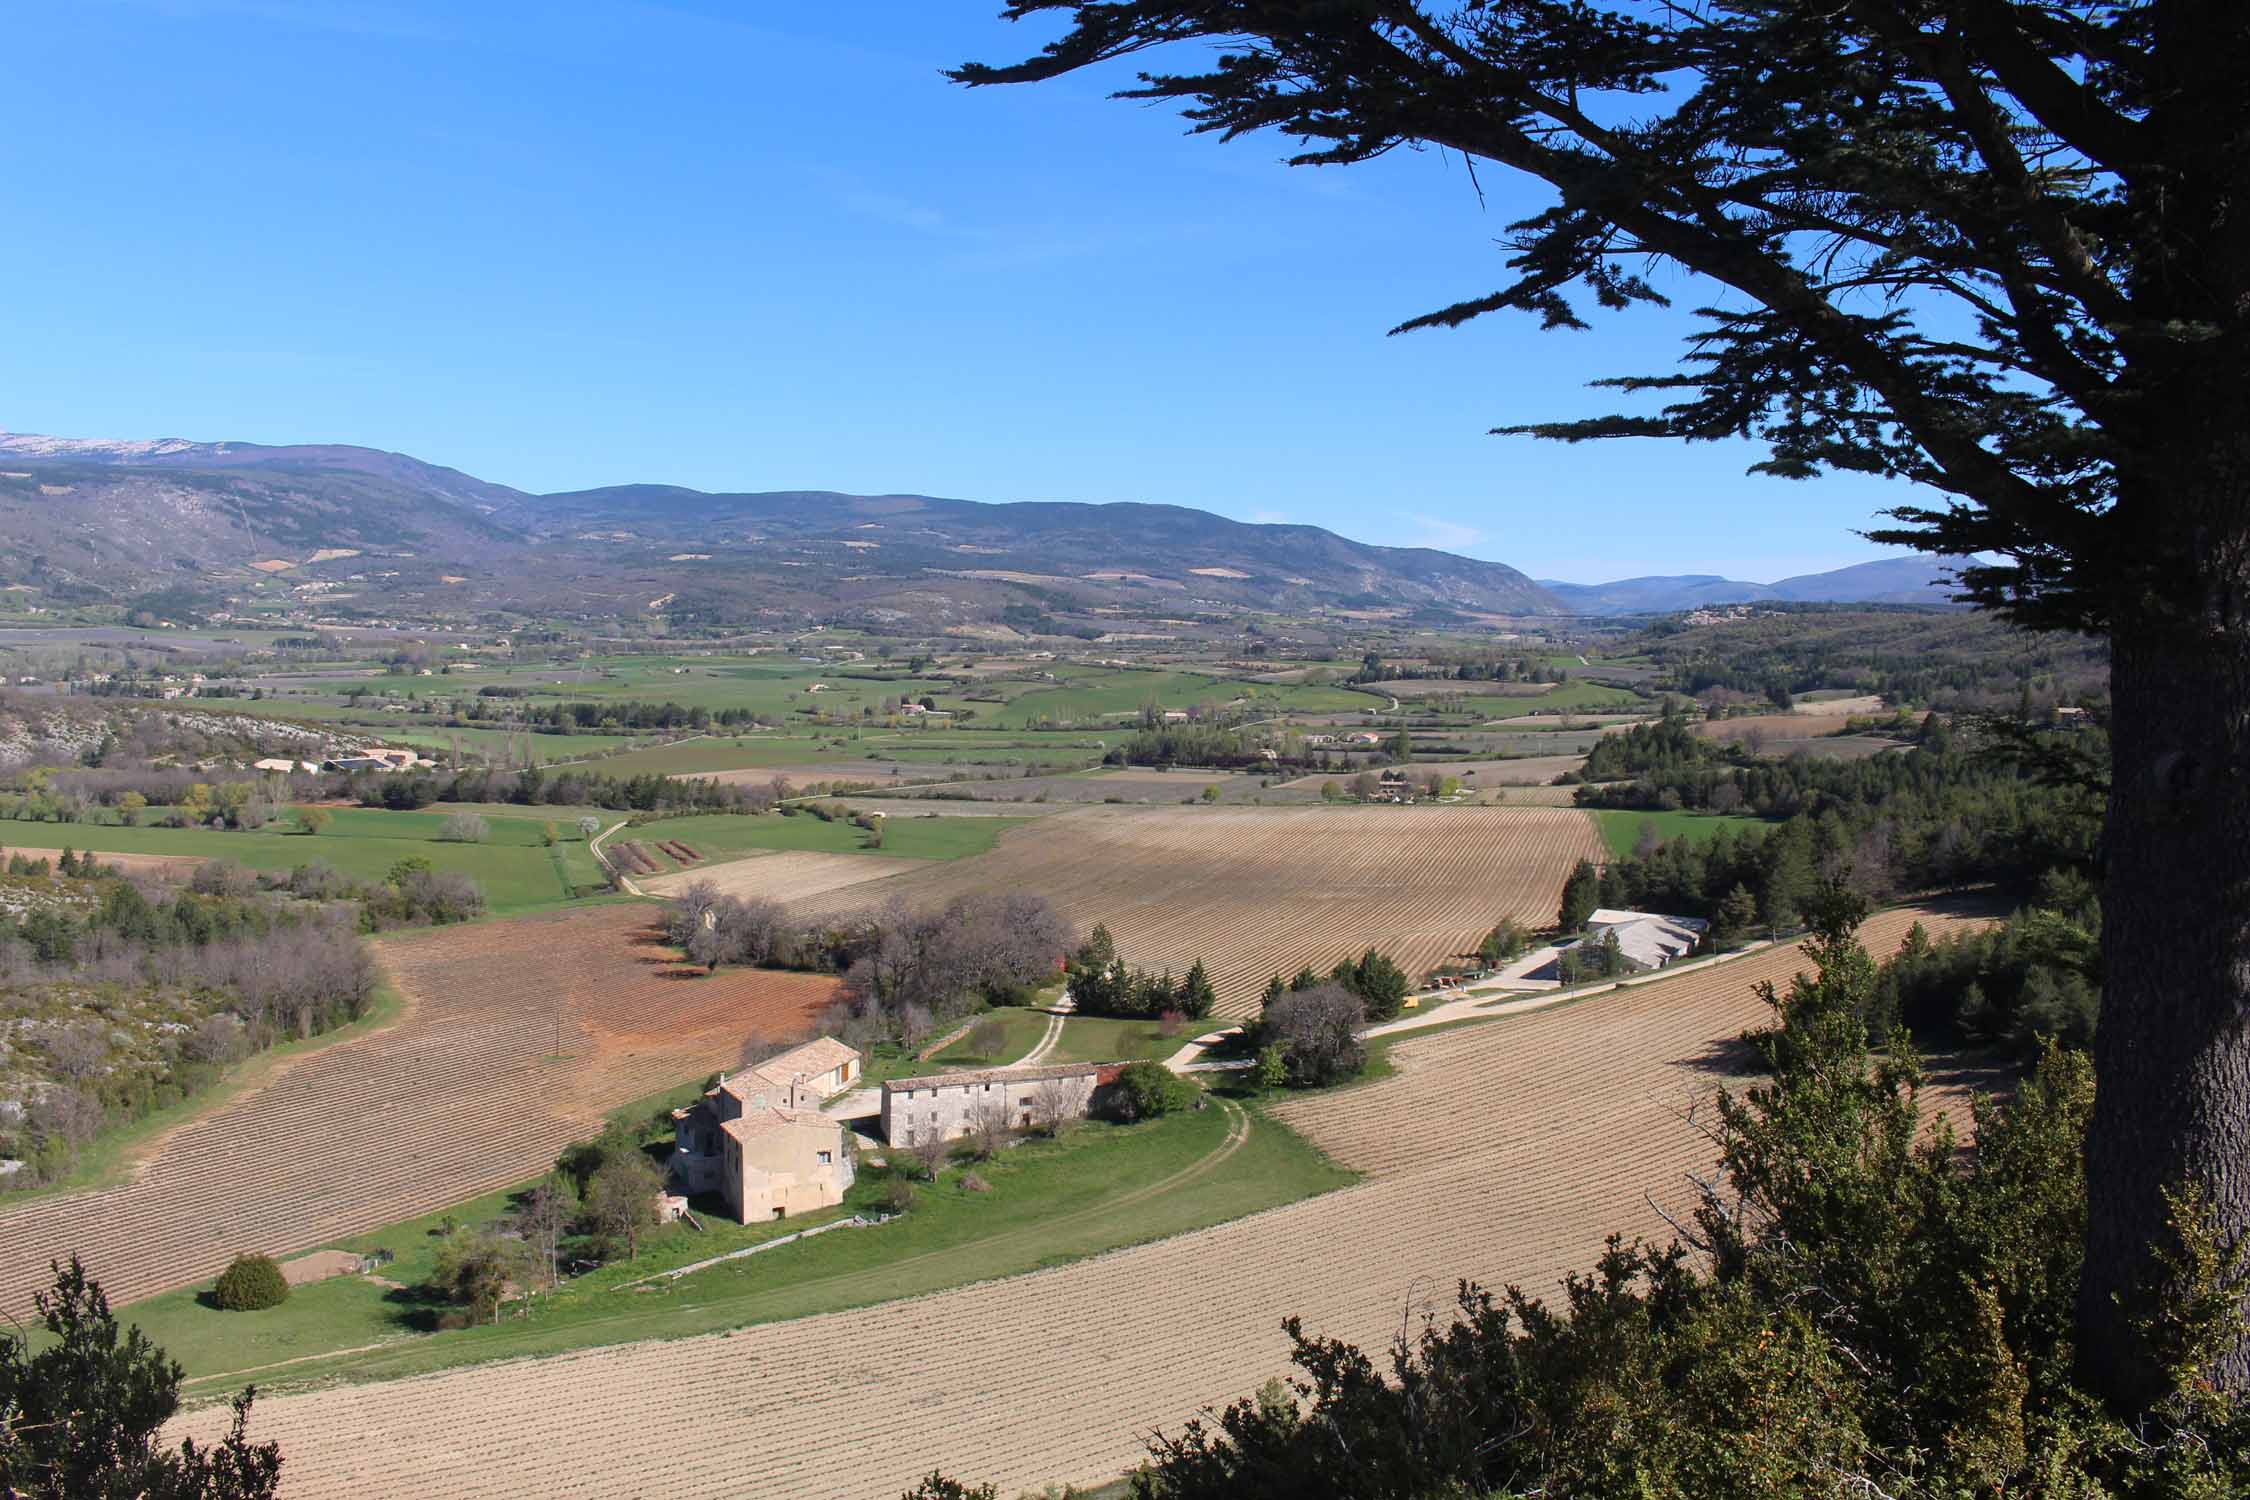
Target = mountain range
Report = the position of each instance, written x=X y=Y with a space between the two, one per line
x=1912 y=579
x=370 y=533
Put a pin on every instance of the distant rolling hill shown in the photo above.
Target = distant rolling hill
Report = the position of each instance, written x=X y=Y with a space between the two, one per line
x=1913 y=579
x=385 y=532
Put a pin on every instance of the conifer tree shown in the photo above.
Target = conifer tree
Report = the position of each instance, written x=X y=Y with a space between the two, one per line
x=1999 y=249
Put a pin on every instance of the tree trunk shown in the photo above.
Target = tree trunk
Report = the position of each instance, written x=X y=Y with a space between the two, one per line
x=2172 y=1057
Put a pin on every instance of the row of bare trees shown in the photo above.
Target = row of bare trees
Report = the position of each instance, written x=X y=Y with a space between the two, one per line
x=904 y=968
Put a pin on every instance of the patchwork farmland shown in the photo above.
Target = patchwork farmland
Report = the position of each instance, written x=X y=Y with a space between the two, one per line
x=464 y=1094
x=1258 y=891
x=1501 y=1154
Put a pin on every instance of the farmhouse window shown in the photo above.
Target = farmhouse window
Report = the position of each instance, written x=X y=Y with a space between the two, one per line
x=824 y=1158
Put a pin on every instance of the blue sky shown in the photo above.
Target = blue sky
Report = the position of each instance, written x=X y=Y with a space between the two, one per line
x=765 y=246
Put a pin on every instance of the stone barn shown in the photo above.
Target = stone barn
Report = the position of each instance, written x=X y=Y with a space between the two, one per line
x=943 y=1106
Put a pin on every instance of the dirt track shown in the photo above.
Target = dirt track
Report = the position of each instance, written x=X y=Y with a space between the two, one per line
x=460 y=1096
x=1501 y=1153
x=1258 y=891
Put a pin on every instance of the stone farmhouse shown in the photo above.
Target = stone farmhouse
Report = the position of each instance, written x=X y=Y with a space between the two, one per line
x=943 y=1106
x=759 y=1140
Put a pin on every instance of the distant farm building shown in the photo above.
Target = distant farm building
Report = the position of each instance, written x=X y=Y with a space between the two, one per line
x=942 y=1106
x=1648 y=940
x=759 y=1140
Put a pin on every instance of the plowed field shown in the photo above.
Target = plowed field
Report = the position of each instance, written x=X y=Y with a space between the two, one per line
x=1258 y=891
x=790 y=875
x=1501 y=1153
x=462 y=1095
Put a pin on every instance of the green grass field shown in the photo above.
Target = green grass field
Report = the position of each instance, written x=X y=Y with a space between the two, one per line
x=1020 y=1030
x=1094 y=694
x=515 y=870
x=718 y=835
x=1097 y=1188
x=806 y=747
x=1572 y=697
x=1621 y=830
x=1109 y=1039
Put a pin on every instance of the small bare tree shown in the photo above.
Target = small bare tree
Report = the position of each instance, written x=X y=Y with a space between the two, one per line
x=988 y=1126
x=462 y=828
x=1058 y=1101
x=930 y=1149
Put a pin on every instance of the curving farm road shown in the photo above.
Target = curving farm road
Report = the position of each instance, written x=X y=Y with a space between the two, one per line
x=1500 y=1153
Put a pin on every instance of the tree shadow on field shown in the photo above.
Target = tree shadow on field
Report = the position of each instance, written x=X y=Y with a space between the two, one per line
x=1724 y=1057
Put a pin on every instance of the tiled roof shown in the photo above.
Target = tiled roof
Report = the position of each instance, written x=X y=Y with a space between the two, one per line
x=1002 y=1075
x=746 y=1128
x=817 y=1056
x=820 y=1055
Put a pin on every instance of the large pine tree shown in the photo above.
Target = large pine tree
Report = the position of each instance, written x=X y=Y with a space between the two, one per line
x=1998 y=248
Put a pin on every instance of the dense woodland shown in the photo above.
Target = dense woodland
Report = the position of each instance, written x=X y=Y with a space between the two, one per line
x=1925 y=658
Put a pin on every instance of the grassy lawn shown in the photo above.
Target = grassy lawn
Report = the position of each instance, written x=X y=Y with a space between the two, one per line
x=1621 y=829
x=1107 y=1039
x=1097 y=1188
x=515 y=870
x=1020 y=1030
x=717 y=835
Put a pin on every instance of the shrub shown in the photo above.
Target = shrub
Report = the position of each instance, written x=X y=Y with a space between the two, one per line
x=462 y=828
x=1317 y=1030
x=252 y=1284
x=222 y=877
x=1148 y=1090
x=898 y=1195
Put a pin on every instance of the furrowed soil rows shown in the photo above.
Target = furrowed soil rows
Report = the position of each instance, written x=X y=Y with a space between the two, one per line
x=1258 y=891
x=786 y=876
x=1501 y=1153
x=462 y=1095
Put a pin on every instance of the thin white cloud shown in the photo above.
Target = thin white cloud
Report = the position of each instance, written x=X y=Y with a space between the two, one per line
x=1268 y=518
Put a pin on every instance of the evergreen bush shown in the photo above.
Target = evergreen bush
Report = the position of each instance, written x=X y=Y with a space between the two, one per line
x=252 y=1284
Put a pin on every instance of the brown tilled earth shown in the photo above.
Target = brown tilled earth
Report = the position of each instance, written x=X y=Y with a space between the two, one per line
x=1255 y=892
x=794 y=873
x=1501 y=1153
x=462 y=1095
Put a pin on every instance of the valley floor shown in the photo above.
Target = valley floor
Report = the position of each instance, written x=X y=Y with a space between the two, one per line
x=1500 y=1152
